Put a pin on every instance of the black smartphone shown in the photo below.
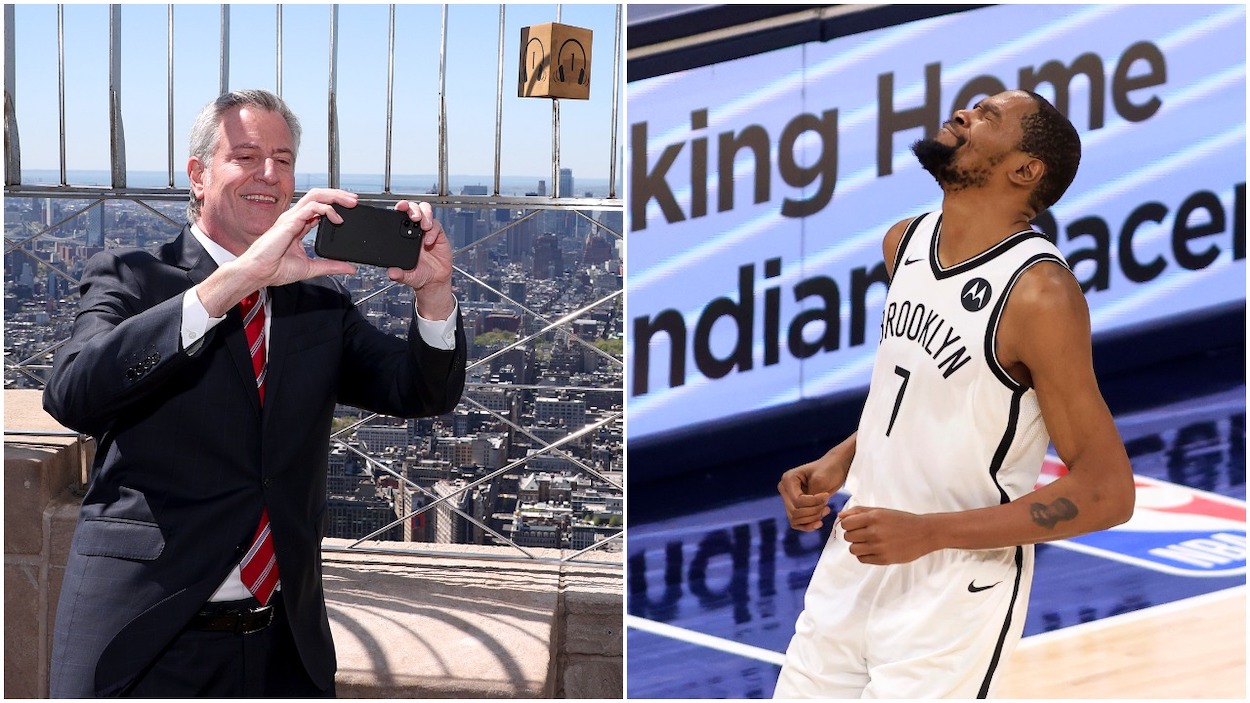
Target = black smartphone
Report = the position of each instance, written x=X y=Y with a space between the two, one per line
x=370 y=235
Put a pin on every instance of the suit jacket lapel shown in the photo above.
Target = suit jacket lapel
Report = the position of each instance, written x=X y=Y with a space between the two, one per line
x=187 y=253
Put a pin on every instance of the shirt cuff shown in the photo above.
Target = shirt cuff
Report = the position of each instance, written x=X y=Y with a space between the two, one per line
x=439 y=334
x=195 y=321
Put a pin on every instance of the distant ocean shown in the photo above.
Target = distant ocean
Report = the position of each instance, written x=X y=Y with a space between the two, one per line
x=356 y=182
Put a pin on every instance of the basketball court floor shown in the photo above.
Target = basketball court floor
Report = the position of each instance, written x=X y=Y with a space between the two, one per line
x=1154 y=608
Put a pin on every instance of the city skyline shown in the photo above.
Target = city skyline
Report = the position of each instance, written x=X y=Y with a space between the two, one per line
x=367 y=183
x=536 y=383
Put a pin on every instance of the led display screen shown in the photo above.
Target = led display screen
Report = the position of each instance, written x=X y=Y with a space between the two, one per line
x=760 y=189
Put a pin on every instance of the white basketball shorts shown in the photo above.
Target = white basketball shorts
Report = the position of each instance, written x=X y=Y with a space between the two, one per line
x=940 y=626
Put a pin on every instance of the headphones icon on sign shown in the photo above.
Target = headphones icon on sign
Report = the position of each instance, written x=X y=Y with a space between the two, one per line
x=572 y=53
x=535 y=61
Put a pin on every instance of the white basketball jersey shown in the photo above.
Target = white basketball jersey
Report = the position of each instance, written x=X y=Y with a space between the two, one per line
x=945 y=428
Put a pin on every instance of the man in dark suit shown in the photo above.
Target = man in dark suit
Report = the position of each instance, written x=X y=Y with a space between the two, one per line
x=195 y=568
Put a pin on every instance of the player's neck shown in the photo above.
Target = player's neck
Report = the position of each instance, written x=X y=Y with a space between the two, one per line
x=973 y=222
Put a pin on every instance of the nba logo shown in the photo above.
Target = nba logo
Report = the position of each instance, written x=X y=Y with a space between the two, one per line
x=1174 y=529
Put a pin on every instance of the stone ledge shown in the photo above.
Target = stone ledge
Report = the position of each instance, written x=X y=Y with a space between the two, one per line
x=593 y=613
x=424 y=627
x=434 y=627
x=593 y=678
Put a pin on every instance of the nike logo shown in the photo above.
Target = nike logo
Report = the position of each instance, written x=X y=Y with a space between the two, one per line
x=974 y=588
x=909 y=262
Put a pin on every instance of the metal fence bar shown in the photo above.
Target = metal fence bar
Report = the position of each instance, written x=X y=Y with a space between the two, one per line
x=40 y=433
x=55 y=345
x=461 y=555
x=12 y=144
x=616 y=81
x=390 y=98
x=223 y=68
x=158 y=213
x=333 y=125
x=536 y=387
x=169 y=89
x=591 y=548
x=499 y=103
x=117 y=134
x=25 y=369
x=599 y=224
x=278 y=50
x=60 y=82
x=555 y=136
x=556 y=190
x=443 y=188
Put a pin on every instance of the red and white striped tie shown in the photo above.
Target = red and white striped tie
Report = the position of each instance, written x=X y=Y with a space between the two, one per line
x=254 y=327
x=259 y=567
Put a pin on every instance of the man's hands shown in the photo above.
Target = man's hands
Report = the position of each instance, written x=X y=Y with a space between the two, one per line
x=277 y=257
x=882 y=536
x=806 y=491
x=431 y=279
x=875 y=535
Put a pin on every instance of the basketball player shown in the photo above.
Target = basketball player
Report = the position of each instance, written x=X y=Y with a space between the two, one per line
x=984 y=359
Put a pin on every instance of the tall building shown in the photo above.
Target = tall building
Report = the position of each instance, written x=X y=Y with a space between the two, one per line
x=515 y=290
x=520 y=239
x=95 y=226
x=465 y=228
x=448 y=527
x=548 y=261
x=566 y=183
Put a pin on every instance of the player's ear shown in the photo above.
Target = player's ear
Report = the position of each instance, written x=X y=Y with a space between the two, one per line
x=1028 y=173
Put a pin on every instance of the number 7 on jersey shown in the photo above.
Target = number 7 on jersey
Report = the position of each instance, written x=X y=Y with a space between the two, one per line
x=902 y=388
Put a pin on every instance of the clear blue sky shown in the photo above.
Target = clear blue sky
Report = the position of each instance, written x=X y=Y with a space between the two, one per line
x=362 y=71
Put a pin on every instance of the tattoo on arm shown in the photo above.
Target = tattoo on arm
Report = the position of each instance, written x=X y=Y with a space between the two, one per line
x=1050 y=515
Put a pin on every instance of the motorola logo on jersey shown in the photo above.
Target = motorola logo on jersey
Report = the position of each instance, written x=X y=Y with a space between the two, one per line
x=976 y=294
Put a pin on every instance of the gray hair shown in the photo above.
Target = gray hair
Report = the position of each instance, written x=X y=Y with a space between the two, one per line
x=204 y=132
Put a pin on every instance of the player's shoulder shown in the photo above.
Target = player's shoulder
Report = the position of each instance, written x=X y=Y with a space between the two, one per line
x=893 y=240
x=1048 y=288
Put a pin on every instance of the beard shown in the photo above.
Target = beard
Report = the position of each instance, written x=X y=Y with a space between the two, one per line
x=939 y=160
